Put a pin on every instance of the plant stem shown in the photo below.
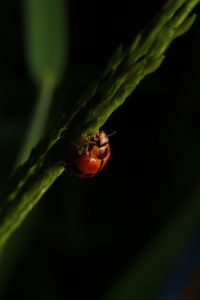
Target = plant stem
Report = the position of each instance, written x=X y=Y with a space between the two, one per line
x=38 y=122
x=128 y=66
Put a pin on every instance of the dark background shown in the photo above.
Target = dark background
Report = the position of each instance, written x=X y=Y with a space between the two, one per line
x=84 y=233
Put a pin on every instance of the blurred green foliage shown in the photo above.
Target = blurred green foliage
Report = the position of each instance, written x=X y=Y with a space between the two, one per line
x=46 y=39
x=46 y=46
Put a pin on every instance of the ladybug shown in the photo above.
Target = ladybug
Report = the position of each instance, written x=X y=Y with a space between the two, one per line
x=92 y=157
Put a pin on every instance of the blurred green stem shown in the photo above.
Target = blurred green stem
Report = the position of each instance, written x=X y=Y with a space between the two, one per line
x=45 y=26
x=38 y=121
x=45 y=37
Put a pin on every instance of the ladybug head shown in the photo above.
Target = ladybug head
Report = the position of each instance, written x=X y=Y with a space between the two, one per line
x=101 y=138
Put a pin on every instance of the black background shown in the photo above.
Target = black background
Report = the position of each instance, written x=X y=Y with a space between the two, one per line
x=84 y=233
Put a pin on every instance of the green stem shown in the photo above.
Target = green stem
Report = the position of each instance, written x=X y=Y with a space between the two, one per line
x=38 y=122
x=128 y=66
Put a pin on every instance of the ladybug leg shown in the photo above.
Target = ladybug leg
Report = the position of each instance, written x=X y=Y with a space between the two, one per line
x=87 y=147
x=87 y=151
x=77 y=148
x=89 y=142
x=114 y=132
x=85 y=137
x=96 y=136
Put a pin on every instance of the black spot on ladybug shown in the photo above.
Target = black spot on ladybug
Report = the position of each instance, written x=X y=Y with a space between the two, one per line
x=76 y=170
x=103 y=153
x=100 y=167
x=89 y=175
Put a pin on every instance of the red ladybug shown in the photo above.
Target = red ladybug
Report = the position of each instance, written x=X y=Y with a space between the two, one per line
x=92 y=157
